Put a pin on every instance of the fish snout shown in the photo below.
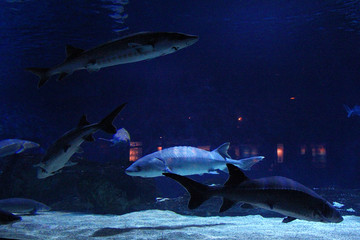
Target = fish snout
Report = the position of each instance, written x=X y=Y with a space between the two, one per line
x=191 y=40
x=130 y=171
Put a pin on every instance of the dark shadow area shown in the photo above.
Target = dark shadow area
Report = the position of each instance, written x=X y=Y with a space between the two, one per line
x=106 y=232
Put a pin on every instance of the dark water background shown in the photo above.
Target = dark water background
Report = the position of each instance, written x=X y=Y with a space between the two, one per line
x=252 y=57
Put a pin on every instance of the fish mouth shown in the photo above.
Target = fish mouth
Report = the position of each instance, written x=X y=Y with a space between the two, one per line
x=130 y=172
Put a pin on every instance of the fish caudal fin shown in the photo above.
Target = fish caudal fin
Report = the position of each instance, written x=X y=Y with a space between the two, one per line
x=42 y=73
x=245 y=163
x=199 y=193
x=348 y=110
x=107 y=123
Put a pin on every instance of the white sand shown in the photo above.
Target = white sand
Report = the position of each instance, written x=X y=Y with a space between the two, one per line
x=157 y=224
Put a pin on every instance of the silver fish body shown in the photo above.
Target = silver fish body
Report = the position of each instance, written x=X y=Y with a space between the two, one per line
x=185 y=160
x=15 y=146
x=23 y=205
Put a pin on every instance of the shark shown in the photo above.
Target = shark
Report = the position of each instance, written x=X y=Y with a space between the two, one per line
x=186 y=160
x=132 y=48
x=59 y=154
x=23 y=206
x=278 y=194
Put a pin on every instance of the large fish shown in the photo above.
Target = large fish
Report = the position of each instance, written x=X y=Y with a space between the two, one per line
x=58 y=155
x=133 y=48
x=15 y=146
x=187 y=161
x=22 y=206
x=278 y=194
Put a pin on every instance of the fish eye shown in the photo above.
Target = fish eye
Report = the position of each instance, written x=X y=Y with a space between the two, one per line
x=175 y=48
x=138 y=168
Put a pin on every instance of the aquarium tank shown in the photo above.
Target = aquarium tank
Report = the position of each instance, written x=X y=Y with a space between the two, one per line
x=152 y=119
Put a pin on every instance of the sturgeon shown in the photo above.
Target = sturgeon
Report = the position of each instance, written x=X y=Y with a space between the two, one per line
x=59 y=154
x=278 y=194
x=185 y=160
x=132 y=48
x=23 y=206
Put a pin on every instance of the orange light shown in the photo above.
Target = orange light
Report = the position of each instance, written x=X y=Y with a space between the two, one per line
x=292 y=98
x=280 y=153
x=159 y=148
x=240 y=119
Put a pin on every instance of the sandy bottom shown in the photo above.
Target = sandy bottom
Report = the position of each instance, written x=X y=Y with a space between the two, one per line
x=158 y=224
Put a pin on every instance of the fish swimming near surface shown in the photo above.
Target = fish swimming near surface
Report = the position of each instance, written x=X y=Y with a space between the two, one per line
x=121 y=136
x=59 y=154
x=278 y=194
x=23 y=206
x=15 y=146
x=354 y=111
x=186 y=160
x=8 y=217
x=132 y=48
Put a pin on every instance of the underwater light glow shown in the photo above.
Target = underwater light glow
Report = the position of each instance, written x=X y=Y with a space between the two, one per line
x=280 y=153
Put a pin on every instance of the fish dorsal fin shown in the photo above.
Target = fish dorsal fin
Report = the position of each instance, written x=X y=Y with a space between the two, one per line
x=72 y=52
x=222 y=150
x=83 y=121
x=236 y=176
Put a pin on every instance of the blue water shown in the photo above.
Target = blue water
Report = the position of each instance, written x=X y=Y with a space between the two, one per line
x=285 y=68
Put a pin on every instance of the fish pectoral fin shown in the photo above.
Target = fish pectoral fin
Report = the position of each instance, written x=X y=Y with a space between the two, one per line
x=91 y=66
x=66 y=147
x=56 y=172
x=247 y=206
x=288 y=219
x=70 y=163
x=227 y=203
x=79 y=150
x=62 y=76
x=89 y=138
x=33 y=211
x=20 y=150
x=168 y=170
x=212 y=171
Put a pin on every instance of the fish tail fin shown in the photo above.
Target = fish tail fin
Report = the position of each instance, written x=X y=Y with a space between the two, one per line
x=348 y=110
x=42 y=73
x=245 y=163
x=107 y=123
x=199 y=193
